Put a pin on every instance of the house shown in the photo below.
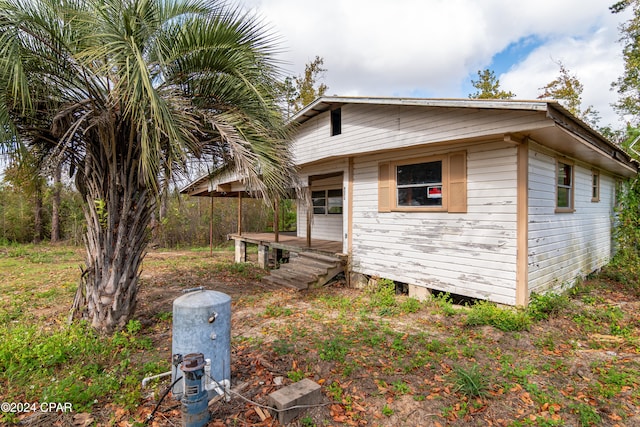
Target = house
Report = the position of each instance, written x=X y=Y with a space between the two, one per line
x=490 y=199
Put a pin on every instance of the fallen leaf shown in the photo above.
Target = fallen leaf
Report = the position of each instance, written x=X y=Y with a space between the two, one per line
x=82 y=420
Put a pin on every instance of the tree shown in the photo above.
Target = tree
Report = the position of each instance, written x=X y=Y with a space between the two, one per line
x=55 y=204
x=628 y=85
x=301 y=90
x=488 y=87
x=23 y=174
x=567 y=89
x=123 y=92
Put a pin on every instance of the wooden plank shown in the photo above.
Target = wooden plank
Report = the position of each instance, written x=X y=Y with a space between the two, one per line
x=522 y=265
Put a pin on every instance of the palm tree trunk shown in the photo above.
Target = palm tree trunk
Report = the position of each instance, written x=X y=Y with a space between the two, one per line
x=118 y=211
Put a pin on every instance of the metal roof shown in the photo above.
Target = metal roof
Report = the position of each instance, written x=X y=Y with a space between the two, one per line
x=326 y=103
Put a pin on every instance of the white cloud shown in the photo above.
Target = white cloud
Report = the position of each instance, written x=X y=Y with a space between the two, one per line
x=433 y=48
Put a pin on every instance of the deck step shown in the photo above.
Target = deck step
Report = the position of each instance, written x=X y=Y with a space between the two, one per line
x=319 y=257
x=306 y=270
x=296 y=285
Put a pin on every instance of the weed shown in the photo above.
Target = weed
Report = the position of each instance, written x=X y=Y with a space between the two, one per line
x=275 y=310
x=295 y=376
x=307 y=421
x=128 y=338
x=349 y=368
x=399 y=345
x=336 y=301
x=401 y=387
x=335 y=391
x=505 y=319
x=541 y=306
x=444 y=302
x=387 y=411
x=281 y=347
x=410 y=305
x=621 y=331
x=39 y=258
x=333 y=349
x=471 y=382
x=587 y=414
x=611 y=380
x=65 y=365
x=19 y=251
x=547 y=341
x=420 y=359
x=165 y=316
x=242 y=269
x=383 y=296
x=470 y=350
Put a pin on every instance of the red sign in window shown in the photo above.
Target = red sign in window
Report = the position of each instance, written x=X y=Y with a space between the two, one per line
x=434 y=192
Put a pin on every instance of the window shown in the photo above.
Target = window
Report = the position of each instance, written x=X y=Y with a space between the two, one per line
x=336 y=122
x=327 y=201
x=419 y=184
x=437 y=183
x=564 y=189
x=595 y=186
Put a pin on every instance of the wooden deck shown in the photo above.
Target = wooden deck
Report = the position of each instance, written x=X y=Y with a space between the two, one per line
x=289 y=242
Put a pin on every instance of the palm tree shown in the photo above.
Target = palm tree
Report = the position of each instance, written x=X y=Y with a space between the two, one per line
x=123 y=92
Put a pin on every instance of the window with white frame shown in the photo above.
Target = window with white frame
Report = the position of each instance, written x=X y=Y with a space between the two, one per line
x=595 y=186
x=327 y=202
x=564 y=187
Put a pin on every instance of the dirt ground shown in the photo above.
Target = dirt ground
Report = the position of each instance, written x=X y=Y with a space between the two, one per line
x=431 y=401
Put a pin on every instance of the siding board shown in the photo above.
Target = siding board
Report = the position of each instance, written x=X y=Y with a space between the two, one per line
x=563 y=246
x=370 y=128
x=469 y=253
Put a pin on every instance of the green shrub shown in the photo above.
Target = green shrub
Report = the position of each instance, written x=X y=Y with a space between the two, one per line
x=541 y=306
x=410 y=305
x=444 y=301
x=383 y=295
x=505 y=319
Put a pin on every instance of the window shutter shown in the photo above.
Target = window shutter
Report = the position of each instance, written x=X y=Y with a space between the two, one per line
x=384 y=187
x=458 y=182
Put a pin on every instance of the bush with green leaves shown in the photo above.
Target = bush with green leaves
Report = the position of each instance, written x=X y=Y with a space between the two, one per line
x=627 y=234
x=505 y=319
x=541 y=306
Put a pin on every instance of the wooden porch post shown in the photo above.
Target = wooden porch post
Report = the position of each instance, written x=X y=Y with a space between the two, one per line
x=309 y=218
x=276 y=220
x=211 y=229
x=239 y=213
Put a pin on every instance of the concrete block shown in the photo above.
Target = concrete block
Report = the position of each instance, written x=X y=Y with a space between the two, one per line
x=263 y=256
x=357 y=280
x=419 y=292
x=241 y=251
x=305 y=392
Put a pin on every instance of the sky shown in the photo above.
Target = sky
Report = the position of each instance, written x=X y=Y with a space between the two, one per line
x=435 y=48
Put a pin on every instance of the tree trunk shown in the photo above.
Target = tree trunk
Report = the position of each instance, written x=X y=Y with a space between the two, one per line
x=37 y=223
x=55 y=205
x=118 y=208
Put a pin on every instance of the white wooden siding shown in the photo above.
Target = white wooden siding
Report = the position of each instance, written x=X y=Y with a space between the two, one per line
x=472 y=254
x=370 y=128
x=563 y=246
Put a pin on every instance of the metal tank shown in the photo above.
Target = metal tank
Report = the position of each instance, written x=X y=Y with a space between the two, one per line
x=202 y=324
